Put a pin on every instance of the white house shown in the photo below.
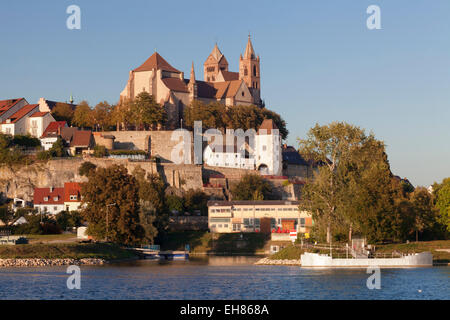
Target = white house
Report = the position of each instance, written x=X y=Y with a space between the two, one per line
x=17 y=123
x=11 y=106
x=51 y=133
x=38 y=122
x=264 y=155
x=49 y=200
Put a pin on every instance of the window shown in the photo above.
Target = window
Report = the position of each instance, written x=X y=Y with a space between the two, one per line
x=302 y=222
x=45 y=198
x=219 y=226
x=264 y=148
x=245 y=71
x=73 y=197
x=55 y=198
x=273 y=223
x=257 y=223
x=254 y=70
x=225 y=226
x=242 y=93
x=55 y=208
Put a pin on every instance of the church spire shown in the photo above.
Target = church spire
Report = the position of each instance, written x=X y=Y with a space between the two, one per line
x=192 y=73
x=249 y=52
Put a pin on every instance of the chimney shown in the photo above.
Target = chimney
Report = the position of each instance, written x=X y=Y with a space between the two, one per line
x=59 y=130
x=51 y=189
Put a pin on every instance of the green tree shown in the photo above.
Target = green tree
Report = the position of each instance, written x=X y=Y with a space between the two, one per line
x=443 y=203
x=174 y=203
x=68 y=219
x=352 y=186
x=57 y=149
x=196 y=200
x=147 y=112
x=100 y=151
x=111 y=200
x=252 y=187
x=86 y=168
x=83 y=115
x=422 y=203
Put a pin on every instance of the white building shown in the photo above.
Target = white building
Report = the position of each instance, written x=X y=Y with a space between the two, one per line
x=49 y=200
x=11 y=106
x=264 y=155
x=17 y=123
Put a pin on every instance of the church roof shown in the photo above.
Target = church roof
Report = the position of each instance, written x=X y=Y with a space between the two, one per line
x=156 y=62
x=218 y=90
x=175 y=84
x=229 y=75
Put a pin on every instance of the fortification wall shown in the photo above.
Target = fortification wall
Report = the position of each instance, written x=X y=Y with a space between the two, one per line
x=158 y=143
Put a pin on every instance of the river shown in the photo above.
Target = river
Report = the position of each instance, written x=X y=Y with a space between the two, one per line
x=221 y=278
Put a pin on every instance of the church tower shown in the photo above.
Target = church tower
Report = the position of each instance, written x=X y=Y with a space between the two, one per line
x=216 y=61
x=249 y=71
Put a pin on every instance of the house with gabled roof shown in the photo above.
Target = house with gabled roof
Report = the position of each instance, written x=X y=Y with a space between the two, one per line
x=49 y=200
x=51 y=133
x=10 y=106
x=169 y=87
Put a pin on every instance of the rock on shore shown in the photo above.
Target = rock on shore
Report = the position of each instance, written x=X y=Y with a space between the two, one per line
x=36 y=262
x=286 y=262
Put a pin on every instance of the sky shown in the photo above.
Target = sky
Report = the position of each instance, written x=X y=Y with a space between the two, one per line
x=319 y=61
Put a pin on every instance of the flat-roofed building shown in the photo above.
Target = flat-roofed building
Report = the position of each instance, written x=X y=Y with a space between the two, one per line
x=257 y=216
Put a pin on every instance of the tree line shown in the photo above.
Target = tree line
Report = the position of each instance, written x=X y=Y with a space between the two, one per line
x=219 y=116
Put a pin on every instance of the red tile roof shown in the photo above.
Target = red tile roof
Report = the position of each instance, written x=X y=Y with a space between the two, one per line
x=5 y=105
x=52 y=128
x=81 y=139
x=22 y=113
x=41 y=193
x=72 y=189
x=38 y=114
x=156 y=62
x=229 y=75
x=175 y=84
x=268 y=125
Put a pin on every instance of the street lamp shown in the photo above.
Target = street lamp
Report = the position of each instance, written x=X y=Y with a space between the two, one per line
x=107 y=219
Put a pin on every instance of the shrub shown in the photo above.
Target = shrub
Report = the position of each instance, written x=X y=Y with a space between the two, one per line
x=86 y=168
x=100 y=151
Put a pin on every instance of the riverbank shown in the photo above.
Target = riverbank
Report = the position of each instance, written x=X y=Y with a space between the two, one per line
x=62 y=254
x=5 y=263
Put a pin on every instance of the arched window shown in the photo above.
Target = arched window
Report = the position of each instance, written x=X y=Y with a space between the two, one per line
x=254 y=71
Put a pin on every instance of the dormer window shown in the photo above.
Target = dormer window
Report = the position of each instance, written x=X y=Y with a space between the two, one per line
x=73 y=197
x=45 y=198
x=55 y=198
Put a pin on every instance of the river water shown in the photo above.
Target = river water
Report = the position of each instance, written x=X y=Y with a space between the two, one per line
x=221 y=278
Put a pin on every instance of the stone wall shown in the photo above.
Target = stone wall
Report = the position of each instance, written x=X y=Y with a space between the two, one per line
x=158 y=143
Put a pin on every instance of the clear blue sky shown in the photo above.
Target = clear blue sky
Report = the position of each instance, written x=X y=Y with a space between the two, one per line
x=319 y=62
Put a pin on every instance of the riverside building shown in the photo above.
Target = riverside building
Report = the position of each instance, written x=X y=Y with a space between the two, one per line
x=257 y=216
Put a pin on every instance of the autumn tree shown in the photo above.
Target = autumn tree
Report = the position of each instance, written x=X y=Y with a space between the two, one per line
x=121 y=114
x=252 y=187
x=63 y=112
x=111 y=206
x=83 y=115
x=102 y=115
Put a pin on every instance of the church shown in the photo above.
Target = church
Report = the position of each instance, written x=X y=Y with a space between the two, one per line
x=172 y=90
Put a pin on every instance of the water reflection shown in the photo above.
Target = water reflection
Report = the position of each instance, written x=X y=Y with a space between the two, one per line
x=220 y=277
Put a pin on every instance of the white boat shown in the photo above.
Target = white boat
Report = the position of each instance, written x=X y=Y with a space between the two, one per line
x=310 y=260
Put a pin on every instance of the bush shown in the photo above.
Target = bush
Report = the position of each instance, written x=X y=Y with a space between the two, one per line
x=100 y=151
x=127 y=152
x=43 y=155
x=26 y=141
x=67 y=220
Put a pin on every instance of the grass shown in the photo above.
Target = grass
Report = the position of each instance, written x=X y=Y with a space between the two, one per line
x=65 y=251
x=421 y=246
x=289 y=253
x=34 y=238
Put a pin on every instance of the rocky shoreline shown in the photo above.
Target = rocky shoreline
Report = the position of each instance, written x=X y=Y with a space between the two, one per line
x=285 y=262
x=37 y=262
